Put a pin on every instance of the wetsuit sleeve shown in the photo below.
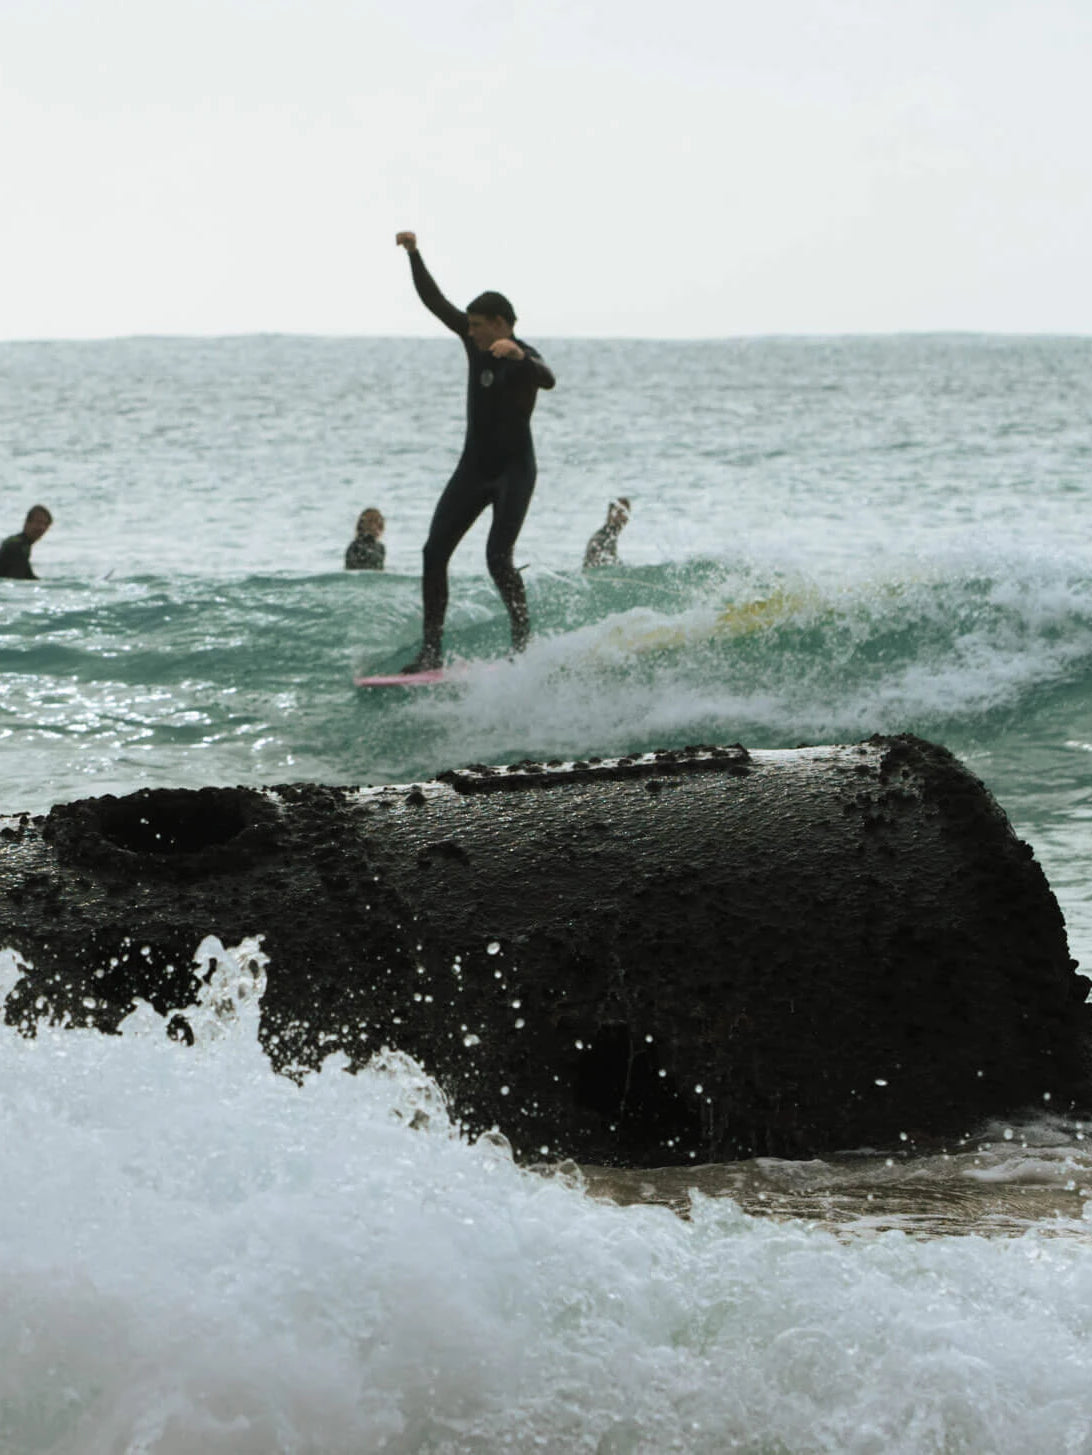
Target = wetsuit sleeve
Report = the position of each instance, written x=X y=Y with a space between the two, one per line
x=544 y=375
x=430 y=295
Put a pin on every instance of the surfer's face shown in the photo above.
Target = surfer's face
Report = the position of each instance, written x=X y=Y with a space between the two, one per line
x=36 y=525
x=485 y=330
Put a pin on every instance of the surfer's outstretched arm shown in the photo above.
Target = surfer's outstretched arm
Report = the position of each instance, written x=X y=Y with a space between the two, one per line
x=427 y=289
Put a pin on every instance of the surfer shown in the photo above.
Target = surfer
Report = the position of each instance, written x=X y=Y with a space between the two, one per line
x=366 y=552
x=497 y=465
x=602 y=549
x=15 y=551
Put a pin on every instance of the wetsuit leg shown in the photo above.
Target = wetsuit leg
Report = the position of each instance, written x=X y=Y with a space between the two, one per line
x=465 y=497
x=512 y=493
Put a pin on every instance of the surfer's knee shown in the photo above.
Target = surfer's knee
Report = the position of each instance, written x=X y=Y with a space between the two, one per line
x=435 y=555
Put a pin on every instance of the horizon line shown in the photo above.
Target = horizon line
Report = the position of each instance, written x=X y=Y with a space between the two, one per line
x=815 y=334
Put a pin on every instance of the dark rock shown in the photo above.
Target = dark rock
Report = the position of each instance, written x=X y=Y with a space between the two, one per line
x=686 y=955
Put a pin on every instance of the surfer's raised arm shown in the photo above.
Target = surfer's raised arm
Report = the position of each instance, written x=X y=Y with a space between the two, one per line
x=427 y=289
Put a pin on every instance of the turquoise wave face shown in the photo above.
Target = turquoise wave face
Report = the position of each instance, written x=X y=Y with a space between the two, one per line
x=188 y=681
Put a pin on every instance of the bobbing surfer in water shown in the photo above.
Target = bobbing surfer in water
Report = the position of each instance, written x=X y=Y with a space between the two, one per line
x=497 y=465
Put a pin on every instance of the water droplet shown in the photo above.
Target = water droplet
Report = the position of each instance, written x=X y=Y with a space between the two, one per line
x=493 y=948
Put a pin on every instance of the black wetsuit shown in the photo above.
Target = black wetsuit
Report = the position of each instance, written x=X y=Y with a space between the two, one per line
x=497 y=468
x=15 y=558
x=365 y=553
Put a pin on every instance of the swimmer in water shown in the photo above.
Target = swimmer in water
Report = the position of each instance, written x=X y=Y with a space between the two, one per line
x=15 y=551
x=602 y=549
x=366 y=551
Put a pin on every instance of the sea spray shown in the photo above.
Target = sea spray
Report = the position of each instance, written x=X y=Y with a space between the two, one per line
x=200 y=1254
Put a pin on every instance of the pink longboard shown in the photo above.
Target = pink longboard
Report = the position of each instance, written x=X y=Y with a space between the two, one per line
x=404 y=679
x=452 y=673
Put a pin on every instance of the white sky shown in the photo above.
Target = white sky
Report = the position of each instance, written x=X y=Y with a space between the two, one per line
x=618 y=167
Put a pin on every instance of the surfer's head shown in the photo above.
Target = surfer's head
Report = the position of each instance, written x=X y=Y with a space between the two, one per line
x=37 y=522
x=370 y=522
x=493 y=305
x=489 y=317
x=618 y=512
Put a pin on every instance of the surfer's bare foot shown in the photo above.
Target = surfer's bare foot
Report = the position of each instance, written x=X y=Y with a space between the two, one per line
x=428 y=659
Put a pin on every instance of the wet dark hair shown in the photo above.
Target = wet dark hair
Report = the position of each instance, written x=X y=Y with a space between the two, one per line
x=492 y=305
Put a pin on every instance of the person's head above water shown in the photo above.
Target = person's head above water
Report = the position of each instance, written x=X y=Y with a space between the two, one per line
x=370 y=522
x=37 y=522
x=618 y=512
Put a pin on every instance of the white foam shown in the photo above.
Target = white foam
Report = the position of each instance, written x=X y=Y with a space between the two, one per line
x=913 y=650
x=199 y=1255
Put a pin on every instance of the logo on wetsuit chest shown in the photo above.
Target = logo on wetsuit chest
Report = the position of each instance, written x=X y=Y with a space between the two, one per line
x=486 y=378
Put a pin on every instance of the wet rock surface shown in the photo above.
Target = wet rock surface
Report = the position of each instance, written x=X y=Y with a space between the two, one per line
x=680 y=956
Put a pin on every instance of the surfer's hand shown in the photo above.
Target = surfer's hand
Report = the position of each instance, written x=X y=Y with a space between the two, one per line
x=407 y=240
x=505 y=348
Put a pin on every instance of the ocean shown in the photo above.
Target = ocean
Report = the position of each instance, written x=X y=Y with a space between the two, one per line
x=830 y=537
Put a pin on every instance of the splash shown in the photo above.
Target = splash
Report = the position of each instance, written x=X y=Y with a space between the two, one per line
x=199 y=1254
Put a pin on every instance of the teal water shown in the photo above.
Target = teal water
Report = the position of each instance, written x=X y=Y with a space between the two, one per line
x=829 y=538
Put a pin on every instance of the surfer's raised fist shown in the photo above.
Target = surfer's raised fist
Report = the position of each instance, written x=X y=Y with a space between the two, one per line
x=407 y=240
